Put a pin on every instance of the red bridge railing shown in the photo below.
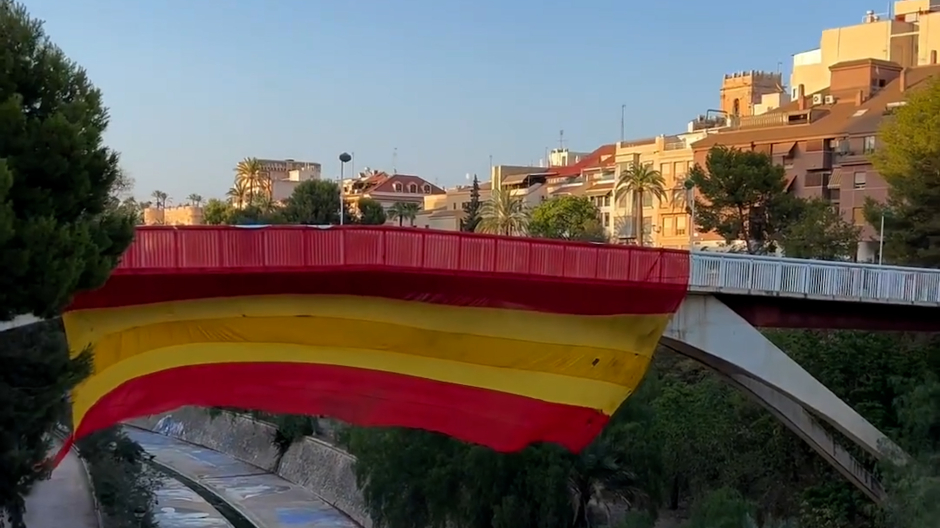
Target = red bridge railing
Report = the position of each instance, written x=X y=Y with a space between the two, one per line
x=228 y=249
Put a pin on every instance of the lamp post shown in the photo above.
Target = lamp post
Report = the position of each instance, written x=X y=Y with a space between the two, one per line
x=344 y=158
x=690 y=200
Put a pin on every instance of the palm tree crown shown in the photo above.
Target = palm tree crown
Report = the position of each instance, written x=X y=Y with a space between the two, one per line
x=250 y=172
x=404 y=211
x=635 y=182
x=503 y=214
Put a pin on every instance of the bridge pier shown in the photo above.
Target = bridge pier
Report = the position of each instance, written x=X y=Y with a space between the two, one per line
x=706 y=330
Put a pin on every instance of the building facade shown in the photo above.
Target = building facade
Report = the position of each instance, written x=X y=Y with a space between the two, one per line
x=909 y=36
x=824 y=139
x=178 y=215
x=388 y=189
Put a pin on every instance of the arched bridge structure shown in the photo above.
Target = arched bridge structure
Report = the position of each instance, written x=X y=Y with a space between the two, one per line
x=501 y=341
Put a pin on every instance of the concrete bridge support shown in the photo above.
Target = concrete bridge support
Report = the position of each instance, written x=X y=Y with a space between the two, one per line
x=706 y=330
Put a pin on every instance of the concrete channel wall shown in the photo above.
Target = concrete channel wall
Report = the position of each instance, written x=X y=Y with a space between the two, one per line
x=316 y=465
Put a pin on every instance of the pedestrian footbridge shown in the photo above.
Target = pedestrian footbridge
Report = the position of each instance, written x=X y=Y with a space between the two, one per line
x=720 y=300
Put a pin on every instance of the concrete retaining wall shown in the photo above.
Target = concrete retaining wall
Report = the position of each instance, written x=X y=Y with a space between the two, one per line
x=316 y=465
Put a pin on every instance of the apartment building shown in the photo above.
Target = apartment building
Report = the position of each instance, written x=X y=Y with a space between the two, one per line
x=823 y=139
x=909 y=36
x=445 y=211
x=388 y=189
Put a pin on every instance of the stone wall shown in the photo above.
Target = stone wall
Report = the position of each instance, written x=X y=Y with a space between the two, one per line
x=316 y=465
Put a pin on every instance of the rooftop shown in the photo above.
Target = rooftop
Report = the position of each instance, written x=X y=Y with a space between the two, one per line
x=845 y=117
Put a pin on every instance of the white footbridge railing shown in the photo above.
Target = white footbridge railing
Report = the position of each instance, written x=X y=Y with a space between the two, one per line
x=813 y=279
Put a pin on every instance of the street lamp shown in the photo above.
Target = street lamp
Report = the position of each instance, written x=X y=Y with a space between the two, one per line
x=344 y=158
x=690 y=199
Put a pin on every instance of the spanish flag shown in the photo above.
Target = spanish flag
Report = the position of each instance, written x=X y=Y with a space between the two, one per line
x=494 y=340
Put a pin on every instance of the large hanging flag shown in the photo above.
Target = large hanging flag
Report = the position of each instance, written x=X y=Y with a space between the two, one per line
x=493 y=340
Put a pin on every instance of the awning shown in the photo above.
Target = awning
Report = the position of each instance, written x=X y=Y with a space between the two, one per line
x=763 y=149
x=835 y=181
x=790 y=179
x=784 y=149
x=515 y=179
x=600 y=190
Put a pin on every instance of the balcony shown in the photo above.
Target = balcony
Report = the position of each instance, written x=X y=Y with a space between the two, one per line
x=817 y=160
x=852 y=157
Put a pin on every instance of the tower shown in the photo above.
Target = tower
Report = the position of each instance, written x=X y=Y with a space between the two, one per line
x=740 y=91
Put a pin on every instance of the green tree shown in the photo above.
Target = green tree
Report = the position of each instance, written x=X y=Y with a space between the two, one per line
x=404 y=211
x=251 y=177
x=567 y=218
x=503 y=214
x=634 y=183
x=314 y=202
x=472 y=209
x=159 y=199
x=60 y=232
x=818 y=231
x=908 y=158
x=217 y=212
x=194 y=200
x=371 y=212
x=743 y=198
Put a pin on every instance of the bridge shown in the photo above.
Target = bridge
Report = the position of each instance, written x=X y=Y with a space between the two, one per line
x=716 y=302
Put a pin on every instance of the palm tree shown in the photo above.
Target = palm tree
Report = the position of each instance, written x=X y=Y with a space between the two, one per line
x=194 y=200
x=160 y=199
x=404 y=211
x=238 y=194
x=251 y=173
x=503 y=214
x=637 y=181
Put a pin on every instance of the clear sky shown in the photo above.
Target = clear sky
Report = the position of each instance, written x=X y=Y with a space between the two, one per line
x=196 y=85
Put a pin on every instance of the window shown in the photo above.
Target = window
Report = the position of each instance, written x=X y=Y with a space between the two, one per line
x=736 y=109
x=665 y=168
x=813 y=179
x=669 y=226
x=606 y=219
x=647 y=200
x=869 y=144
x=607 y=200
x=860 y=180
x=689 y=165
x=844 y=146
x=427 y=188
x=412 y=188
x=647 y=225
x=858 y=216
x=681 y=225
x=397 y=187
x=679 y=168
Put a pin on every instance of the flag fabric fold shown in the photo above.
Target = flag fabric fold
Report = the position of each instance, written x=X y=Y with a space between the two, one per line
x=503 y=358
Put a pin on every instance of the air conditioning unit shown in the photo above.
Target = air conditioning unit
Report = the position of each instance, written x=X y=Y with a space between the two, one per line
x=830 y=99
x=817 y=99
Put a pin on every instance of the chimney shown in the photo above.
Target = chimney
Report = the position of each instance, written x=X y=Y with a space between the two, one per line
x=801 y=97
x=860 y=98
x=902 y=80
x=933 y=56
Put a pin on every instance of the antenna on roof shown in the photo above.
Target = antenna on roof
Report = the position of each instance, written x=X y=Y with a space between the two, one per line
x=395 y=160
x=561 y=140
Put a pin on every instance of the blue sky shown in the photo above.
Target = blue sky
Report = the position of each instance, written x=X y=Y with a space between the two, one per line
x=196 y=85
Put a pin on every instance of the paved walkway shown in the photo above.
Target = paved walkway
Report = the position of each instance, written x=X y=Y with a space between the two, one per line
x=267 y=500
x=66 y=495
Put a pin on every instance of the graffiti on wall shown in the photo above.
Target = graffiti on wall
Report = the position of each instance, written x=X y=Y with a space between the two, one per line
x=169 y=427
